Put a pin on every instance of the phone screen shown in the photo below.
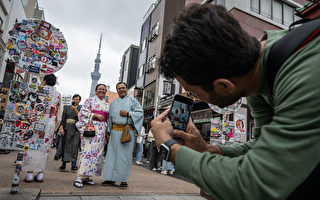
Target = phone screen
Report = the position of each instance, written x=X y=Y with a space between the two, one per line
x=180 y=112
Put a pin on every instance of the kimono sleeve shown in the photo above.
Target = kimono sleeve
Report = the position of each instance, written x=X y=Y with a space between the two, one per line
x=136 y=114
x=85 y=115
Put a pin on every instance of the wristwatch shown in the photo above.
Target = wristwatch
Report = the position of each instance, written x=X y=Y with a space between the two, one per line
x=165 y=148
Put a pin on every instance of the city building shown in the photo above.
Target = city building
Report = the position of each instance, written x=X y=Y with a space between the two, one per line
x=129 y=65
x=158 y=21
x=143 y=54
x=66 y=99
x=95 y=75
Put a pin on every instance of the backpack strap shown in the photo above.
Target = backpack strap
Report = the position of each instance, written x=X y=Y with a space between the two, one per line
x=293 y=41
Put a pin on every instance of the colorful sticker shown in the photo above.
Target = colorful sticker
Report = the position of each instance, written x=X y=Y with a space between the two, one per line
x=26 y=117
x=37 y=46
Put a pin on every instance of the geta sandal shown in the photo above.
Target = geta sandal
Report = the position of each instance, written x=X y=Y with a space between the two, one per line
x=88 y=182
x=78 y=184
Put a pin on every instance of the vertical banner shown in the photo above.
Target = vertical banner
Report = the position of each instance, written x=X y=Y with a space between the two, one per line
x=26 y=117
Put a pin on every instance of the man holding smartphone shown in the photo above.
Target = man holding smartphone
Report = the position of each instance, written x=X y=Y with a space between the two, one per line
x=212 y=56
x=70 y=134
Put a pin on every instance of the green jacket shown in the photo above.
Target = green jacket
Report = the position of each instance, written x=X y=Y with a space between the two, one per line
x=287 y=132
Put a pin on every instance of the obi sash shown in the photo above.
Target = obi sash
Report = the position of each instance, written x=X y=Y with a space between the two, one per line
x=104 y=114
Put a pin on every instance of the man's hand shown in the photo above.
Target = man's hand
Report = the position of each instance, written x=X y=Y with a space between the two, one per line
x=74 y=108
x=161 y=128
x=99 y=117
x=193 y=139
x=61 y=131
x=123 y=113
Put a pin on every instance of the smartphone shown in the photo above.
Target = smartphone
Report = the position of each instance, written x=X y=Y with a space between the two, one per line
x=73 y=103
x=180 y=111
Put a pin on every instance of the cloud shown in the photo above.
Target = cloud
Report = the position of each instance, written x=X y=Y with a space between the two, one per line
x=82 y=22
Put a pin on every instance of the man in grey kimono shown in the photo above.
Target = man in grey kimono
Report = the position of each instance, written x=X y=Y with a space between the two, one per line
x=70 y=134
x=118 y=162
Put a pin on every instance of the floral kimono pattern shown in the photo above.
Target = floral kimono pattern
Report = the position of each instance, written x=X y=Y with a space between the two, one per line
x=92 y=148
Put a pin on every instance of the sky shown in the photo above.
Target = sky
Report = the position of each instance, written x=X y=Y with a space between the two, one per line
x=81 y=22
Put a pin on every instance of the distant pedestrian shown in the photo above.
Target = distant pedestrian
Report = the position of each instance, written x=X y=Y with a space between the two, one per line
x=118 y=162
x=58 y=141
x=94 y=110
x=70 y=134
x=35 y=160
x=154 y=153
x=140 y=144
x=167 y=167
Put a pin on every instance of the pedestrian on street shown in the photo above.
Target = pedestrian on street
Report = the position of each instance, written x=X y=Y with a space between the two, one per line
x=153 y=153
x=118 y=162
x=35 y=160
x=70 y=134
x=140 y=144
x=94 y=111
x=212 y=56
x=58 y=141
x=167 y=167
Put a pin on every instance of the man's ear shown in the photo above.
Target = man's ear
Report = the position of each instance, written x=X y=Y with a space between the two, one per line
x=223 y=86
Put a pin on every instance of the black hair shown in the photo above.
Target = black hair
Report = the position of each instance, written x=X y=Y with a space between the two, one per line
x=207 y=43
x=121 y=83
x=50 y=79
x=75 y=96
x=99 y=85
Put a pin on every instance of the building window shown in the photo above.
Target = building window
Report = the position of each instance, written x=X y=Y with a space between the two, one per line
x=143 y=45
x=254 y=6
x=154 y=32
x=276 y=10
x=287 y=15
x=152 y=63
x=140 y=71
x=266 y=8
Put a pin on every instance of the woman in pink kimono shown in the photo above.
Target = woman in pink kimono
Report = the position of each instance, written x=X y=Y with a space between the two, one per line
x=95 y=110
x=35 y=160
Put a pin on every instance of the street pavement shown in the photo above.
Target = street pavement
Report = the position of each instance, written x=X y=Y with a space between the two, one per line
x=143 y=184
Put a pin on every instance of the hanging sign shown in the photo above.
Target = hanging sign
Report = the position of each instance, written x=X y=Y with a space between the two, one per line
x=37 y=46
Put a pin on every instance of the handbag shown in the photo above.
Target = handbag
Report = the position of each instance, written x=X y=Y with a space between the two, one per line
x=125 y=137
x=89 y=130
